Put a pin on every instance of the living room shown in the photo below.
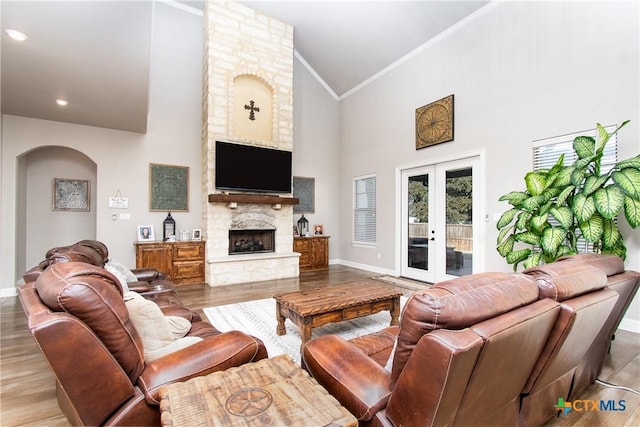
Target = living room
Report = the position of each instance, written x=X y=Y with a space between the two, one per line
x=520 y=72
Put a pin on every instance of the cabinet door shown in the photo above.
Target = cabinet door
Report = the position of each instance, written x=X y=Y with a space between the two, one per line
x=320 y=253
x=156 y=256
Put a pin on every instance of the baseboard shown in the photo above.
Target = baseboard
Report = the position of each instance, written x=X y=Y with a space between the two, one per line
x=366 y=267
x=8 y=292
x=630 y=325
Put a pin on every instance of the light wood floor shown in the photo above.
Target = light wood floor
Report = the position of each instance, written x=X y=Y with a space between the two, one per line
x=27 y=390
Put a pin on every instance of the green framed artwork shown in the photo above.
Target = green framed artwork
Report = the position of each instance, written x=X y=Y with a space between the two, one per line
x=304 y=189
x=169 y=188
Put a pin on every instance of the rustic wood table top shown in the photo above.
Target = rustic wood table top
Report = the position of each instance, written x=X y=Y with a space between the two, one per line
x=271 y=392
x=336 y=297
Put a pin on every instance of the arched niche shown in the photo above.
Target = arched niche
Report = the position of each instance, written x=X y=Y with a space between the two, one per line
x=253 y=108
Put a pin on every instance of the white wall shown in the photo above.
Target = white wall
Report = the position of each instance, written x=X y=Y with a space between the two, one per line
x=122 y=158
x=520 y=72
x=316 y=144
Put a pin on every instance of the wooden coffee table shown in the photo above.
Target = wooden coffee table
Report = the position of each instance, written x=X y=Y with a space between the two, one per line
x=316 y=307
x=271 y=392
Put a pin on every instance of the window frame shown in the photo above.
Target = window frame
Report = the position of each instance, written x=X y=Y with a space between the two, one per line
x=368 y=229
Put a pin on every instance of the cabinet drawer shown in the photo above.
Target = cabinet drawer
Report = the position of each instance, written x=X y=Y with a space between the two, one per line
x=301 y=245
x=187 y=251
x=188 y=269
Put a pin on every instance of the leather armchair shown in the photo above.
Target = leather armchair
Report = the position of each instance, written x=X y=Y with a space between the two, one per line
x=464 y=351
x=76 y=313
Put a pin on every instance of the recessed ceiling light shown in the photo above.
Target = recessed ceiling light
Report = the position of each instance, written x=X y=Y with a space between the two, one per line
x=61 y=102
x=16 y=35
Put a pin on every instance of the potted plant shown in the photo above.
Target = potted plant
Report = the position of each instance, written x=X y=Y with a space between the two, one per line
x=568 y=202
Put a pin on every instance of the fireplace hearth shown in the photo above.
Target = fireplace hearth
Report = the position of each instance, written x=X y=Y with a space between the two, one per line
x=251 y=241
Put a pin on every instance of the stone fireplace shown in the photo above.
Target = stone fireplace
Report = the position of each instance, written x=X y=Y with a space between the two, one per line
x=247 y=99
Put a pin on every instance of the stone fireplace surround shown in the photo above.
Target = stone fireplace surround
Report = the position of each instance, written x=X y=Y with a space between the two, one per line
x=240 y=42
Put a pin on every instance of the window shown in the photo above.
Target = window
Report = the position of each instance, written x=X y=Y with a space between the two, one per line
x=547 y=151
x=364 y=210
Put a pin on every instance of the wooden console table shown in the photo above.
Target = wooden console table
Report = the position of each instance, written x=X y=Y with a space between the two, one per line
x=182 y=262
x=270 y=392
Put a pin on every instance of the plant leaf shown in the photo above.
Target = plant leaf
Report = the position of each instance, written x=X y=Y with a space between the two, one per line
x=536 y=183
x=629 y=181
x=528 y=237
x=523 y=218
x=584 y=146
x=564 y=250
x=609 y=201
x=577 y=176
x=619 y=250
x=583 y=207
x=503 y=233
x=632 y=211
x=602 y=137
x=563 y=177
x=633 y=162
x=592 y=183
x=514 y=197
x=539 y=223
x=563 y=215
x=506 y=246
x=610 y=234
x=533 y=203
x=592 y=228
x=562 y=197
x=506 y=218
x=552 y=238
x=533 y=260
x=516 y=256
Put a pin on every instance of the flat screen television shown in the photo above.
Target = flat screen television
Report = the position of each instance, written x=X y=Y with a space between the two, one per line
x=248 y=168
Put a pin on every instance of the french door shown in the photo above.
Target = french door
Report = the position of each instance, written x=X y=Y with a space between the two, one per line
x=439 y=220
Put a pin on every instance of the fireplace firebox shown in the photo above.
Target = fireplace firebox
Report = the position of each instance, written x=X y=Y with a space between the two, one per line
x=251 y=241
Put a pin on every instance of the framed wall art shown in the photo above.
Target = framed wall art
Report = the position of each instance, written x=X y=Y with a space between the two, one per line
x=304 y=189
x=434 y=123
x=169 y=188
x=71 y=195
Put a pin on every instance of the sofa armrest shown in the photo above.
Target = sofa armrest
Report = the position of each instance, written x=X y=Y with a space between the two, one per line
x=148 y=274
x=359 y=383
x=215 y=353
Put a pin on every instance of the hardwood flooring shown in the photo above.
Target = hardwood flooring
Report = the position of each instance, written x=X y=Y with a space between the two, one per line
x=27 y=390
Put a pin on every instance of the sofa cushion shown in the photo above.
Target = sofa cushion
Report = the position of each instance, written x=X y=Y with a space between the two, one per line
x=118 y=266
x=459 y=303
x=563 y=280
x=610 y=264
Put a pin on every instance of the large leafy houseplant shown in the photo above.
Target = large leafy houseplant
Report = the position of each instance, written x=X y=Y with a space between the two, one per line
x=565 y=203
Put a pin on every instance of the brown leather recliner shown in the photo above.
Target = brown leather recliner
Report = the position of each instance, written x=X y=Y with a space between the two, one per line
x=585 y=307
x=76 y=313
x=464 y=351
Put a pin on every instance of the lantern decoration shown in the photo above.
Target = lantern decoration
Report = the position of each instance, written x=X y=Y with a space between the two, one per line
x=169 y=228
x=303 y=226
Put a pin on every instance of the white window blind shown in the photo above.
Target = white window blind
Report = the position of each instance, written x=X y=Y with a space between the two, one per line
x=547 y=151
x=364 y=210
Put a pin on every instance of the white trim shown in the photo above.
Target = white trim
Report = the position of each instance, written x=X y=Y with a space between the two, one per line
x=8 y=292
x=439 y=37
x=316 y=75
x=631 y=325
x=183 y=6
x=365 y=267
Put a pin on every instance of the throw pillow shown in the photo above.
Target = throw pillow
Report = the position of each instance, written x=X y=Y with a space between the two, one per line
x=120 y=277
x=389 y=365
x=179 y=326
x=157 y=335
x=117 y=265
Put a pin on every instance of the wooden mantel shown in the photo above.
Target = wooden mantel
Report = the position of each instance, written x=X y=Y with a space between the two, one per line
x=253 y=198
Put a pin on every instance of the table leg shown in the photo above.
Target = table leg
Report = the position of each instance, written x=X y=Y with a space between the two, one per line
x=395 y=312
x=305 y=332
x=280 y=329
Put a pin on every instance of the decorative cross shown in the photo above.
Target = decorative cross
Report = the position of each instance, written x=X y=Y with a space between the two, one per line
x=253 y=109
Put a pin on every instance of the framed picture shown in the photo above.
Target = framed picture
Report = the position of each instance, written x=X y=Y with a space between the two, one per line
x=318 y=229
x=304 y=189
x=169 y=188
x=145 y=233
x=296 y=233
x=196 y=234
x=71 y=195
x=434 y=123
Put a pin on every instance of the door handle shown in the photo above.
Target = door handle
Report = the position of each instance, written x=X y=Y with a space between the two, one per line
x=432 y=239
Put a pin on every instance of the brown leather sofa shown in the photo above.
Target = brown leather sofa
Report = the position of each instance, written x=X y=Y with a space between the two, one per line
x=484 y=349
x=77 y=315
x=151 y=283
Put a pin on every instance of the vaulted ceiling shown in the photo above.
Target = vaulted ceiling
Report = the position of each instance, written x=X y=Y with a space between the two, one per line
x=96 y=53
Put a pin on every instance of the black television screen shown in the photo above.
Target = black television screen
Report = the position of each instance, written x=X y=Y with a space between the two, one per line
x=248 y=168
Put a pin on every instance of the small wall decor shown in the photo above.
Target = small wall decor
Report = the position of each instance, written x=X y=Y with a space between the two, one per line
x=145 y=233
x=434 y=123
x=304 y=189
x=71 y=195
x=169 y=188
x=196 y=234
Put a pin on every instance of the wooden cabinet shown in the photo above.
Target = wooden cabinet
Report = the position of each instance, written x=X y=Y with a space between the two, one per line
x=182 y=262
x=314 y=252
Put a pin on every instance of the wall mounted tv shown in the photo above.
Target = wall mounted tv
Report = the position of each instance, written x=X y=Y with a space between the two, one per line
x=248 y=168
